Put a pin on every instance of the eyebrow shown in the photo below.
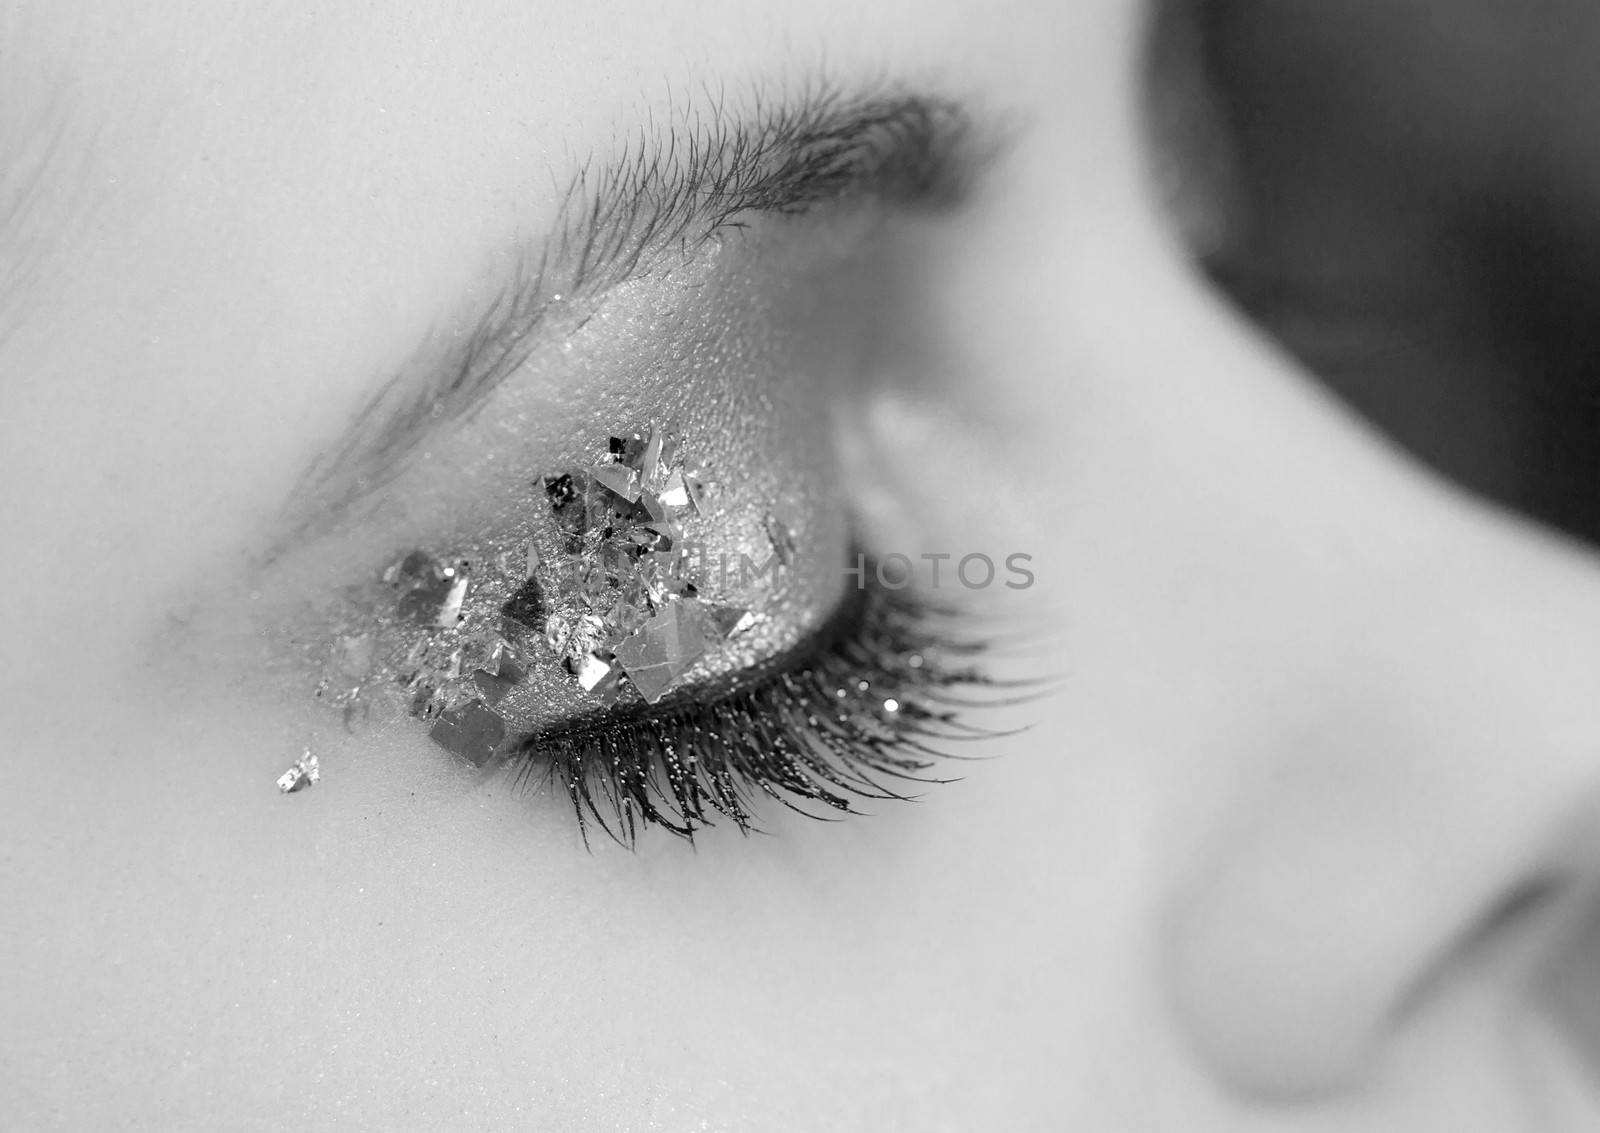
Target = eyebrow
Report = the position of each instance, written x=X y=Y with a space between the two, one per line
x=711 y=168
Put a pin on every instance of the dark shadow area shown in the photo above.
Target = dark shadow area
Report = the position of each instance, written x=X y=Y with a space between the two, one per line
x=1411 y=205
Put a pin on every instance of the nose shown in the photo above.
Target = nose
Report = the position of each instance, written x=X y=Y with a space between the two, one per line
x=1418 y=811
x=1412 y=812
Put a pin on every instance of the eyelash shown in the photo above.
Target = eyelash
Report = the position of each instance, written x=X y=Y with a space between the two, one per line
x=829 y=721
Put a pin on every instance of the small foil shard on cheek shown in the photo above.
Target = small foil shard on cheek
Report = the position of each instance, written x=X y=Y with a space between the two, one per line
x=302 y=774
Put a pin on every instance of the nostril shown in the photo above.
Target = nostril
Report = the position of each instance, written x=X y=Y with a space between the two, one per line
x=1524 y=924
x=1365 y=902
x=1514 y=939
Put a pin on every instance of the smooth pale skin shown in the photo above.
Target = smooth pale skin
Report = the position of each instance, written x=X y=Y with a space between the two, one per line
x=1322 y=714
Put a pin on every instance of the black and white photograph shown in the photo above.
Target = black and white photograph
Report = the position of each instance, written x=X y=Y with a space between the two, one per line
x=754 y=566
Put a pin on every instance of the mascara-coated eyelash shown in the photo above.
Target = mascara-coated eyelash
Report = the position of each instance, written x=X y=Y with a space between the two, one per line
x=851 y=712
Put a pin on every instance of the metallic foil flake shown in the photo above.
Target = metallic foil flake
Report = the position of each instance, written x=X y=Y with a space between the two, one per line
x=304 y=773
x=650 y=463
x=595 y=673
x=728 y=621
x=674 y=493
x=450 y=611
x=700 y=490
x=664 y=648
x=473 y=731
x=431 y=593
x=527 y=606
x=618 y=478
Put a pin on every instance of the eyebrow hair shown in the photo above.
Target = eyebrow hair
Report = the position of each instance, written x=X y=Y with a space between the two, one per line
x=707 y=171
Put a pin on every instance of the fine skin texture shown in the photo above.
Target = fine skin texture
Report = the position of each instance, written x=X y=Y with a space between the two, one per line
x=1323 y=716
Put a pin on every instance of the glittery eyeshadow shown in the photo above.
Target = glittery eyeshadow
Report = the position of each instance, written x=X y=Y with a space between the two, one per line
x=612 y=597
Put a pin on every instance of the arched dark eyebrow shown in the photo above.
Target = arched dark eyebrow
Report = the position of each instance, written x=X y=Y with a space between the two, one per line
x=677 y=185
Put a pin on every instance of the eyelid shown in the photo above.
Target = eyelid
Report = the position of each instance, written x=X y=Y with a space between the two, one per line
x=811 y=712
x=652 y=208
x=592 y=591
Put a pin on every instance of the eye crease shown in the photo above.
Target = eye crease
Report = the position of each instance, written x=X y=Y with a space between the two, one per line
x=669 y=195
x=602 y=654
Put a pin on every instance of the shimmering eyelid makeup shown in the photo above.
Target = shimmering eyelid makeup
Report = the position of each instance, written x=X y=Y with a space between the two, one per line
x=605 y=595
x=602 y=653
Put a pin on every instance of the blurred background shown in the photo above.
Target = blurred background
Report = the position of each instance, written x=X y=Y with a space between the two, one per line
x=1406 y=195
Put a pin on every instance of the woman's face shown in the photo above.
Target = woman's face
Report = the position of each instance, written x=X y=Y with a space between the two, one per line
x=1305 y=799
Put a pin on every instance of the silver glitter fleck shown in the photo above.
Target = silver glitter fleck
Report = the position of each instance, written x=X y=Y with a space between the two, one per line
x=592 y=670
x=450 y=612
x=303 y=774
x=650 y=463
x=674 y=493
x=619 y=478
x=667 y=458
